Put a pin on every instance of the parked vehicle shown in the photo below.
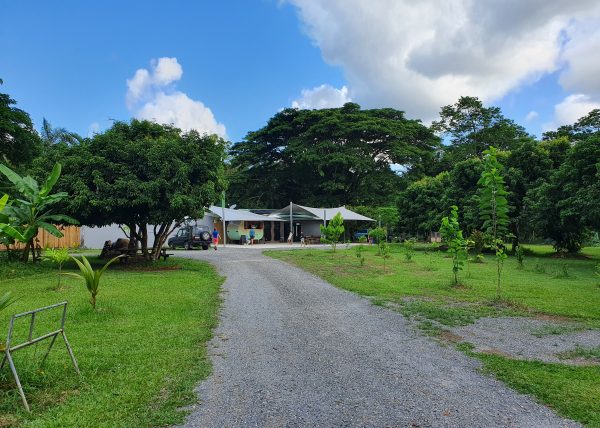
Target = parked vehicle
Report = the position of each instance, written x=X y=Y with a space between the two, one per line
x=190 y=237
x=360 y=233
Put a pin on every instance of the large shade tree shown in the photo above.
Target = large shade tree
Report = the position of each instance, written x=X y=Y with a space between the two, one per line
x=471 y=128
x=329 y=157
x=142 y=173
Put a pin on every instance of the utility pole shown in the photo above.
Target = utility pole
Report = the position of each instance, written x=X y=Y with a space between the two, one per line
x=223 y=217
x=291 y=221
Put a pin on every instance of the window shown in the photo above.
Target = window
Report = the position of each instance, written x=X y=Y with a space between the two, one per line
x=249 y=224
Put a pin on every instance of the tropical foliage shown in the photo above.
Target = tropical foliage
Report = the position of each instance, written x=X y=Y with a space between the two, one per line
x=90 y=276
x=34 y=210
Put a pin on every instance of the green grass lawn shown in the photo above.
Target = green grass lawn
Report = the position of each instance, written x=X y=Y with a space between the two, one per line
x=564 y=288
x=140 y=353
x=546 y=285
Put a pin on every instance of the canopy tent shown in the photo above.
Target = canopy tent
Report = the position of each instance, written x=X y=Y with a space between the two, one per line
x=300 y=212
x=238 y=215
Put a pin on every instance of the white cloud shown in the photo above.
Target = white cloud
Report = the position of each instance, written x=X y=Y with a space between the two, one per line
x=324 y=96
x=581 y=54
x=419 y=56
x=531 y=116
x=93 y=129
x=570 y=110
x=151 y=95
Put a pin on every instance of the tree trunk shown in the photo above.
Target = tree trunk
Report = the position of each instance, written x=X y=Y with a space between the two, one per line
x=26 y=250
x=160 y=237
x=143 y=235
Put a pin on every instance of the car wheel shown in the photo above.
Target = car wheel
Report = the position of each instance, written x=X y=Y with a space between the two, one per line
x=205 y=247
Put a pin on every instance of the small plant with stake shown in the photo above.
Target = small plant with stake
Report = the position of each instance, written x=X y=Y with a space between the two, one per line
x=359 y=249
x=90 y=276
x=494 y=208
x=384 y=249
x=378 y=236
x=409 y=249
x=453 y=237
x=520 y=254
x=58 y=256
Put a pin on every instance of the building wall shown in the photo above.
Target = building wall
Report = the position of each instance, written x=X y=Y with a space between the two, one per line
x=311 y=228
x=94 y=237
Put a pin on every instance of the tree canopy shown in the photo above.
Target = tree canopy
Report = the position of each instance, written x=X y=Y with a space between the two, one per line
x=329 y=157
x=142 y=173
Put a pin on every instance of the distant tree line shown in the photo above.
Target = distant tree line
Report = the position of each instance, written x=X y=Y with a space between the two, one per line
x=394 y=169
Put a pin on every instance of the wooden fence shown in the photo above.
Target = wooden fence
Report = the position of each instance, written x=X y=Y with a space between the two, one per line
x=71 y=238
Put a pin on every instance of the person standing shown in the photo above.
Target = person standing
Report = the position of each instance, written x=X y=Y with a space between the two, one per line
x=290 y=237
x=252 y=235
x=302 y=240
x=215 y=238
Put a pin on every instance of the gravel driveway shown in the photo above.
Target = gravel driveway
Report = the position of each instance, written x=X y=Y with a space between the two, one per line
x=292 y=350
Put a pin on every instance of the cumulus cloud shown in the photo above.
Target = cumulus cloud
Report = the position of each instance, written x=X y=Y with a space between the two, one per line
x=324 y=96
x=581 y=57
x=570 y=110
x=419 y=56
x=151 y=95
x=531 y=116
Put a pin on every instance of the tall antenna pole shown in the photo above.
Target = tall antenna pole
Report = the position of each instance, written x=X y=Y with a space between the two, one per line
x=223 y=217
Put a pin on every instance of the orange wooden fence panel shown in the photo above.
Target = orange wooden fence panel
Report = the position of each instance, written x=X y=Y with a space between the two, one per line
x=71 y=238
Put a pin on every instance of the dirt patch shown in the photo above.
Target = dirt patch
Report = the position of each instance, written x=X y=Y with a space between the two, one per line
x=547 y=317
x=496 y=352
x=448 y=336
x=529 y=338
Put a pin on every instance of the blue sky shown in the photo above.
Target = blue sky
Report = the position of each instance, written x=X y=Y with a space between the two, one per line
x=69 y=61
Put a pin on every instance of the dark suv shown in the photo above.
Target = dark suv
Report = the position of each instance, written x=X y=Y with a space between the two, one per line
x=191 y=237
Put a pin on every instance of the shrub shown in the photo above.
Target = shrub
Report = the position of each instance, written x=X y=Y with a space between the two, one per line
x=333 y=231
x=477 y=237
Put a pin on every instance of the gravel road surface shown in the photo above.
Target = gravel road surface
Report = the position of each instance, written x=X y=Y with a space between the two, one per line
x=293 y=351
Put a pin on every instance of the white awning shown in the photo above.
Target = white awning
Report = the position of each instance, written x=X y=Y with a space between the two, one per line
x=238 y=215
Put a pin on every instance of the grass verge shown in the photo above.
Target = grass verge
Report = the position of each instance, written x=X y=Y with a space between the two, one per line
x=571 y=391
x=140 y=353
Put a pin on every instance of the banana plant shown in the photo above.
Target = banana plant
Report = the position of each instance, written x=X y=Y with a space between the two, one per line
x=90 y=276
x=32 y=211
x=5 y=238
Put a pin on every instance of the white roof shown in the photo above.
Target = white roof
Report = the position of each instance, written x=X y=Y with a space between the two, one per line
x=320 y=213
x=238 y=215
